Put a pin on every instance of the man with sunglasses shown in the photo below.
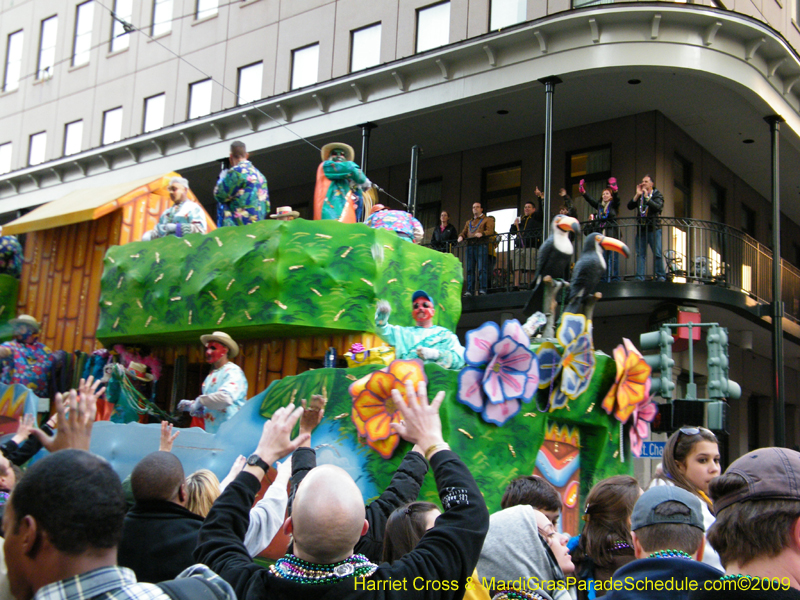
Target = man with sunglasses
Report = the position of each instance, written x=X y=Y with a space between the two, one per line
x=341 y=184
x=432 y=343
x=183 y=217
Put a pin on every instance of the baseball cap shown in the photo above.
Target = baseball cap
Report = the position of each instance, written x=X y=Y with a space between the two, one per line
x=421 y=294
x=770 y=473
x=644 y=511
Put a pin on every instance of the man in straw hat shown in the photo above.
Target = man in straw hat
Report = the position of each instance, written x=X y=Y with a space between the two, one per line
x=285 y=213
x=25 y=359
x=241 y=191
x=339 y=193
x=225 y=388
x=183 y=217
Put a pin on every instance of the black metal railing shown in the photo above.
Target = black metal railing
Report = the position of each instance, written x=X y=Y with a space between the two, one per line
x=692 y=252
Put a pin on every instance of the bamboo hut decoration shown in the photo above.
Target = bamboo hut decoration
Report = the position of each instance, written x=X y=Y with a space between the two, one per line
x=67 y=240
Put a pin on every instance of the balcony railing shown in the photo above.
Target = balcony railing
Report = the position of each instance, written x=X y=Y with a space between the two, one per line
x=694 y=252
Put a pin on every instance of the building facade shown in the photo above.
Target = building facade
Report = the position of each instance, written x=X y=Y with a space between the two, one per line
x=677 y=90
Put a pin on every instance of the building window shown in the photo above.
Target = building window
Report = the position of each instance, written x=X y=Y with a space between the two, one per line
x=82 y=44
x=365 y=47
x=206 y=8
x=682 y=187
x=5 y=158
x=120 y=39
x=73 y=137
x=305 y=66
x=717 y=203
x=36 y=148
x=199 y=99
x=249 y=87
x=594 y=167
x=501 y=194
x=433 y=26
x=429 y=205
x=13 y=61
x=749 y=221
x=162 y=17
x=112 y=126
x=507 y=12
x=47 y=48
x=154 y=112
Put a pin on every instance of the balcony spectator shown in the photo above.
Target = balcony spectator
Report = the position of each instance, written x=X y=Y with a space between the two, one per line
x=477 y=249
x=648 y=204
x=528 y=232
x=605 y=221
x=444 y=234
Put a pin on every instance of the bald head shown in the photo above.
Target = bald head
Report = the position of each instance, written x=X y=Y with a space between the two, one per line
x=158 y=476
x=327 y=515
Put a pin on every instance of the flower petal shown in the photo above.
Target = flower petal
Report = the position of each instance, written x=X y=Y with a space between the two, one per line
x=479 y=343
x=377 y=428
x=491 y=382
x=549 y=363
x=532 y=381
x=470 y=388
x=512 y=355
x=512 y=329
x=385 y=447
x=571 y=327
x=408 y=369
x=367 y=405
x=499 y=414
x=359 y=423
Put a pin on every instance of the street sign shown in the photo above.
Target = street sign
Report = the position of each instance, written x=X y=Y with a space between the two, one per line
x=653 y=449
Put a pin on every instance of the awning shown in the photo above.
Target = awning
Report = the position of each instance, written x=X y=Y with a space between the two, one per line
x=88 y=204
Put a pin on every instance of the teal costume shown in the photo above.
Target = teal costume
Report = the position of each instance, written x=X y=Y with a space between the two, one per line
x=406 y=340
x=345 y=177
x=242 y=196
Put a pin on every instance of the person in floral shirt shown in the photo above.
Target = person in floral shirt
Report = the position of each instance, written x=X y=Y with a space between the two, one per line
x=26 y=360
x=225 y=388
x=241 y=192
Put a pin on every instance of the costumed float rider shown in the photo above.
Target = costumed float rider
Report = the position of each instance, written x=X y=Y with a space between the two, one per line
x=25 y=359
x=403 y=223
x=10 y=255
x=432 y=343
x=339 y=193
x=182 y=218
x=241 y=191
x=225 y=388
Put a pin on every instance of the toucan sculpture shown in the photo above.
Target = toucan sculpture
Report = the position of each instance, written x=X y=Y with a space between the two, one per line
x=590 y=268
x=554 y=257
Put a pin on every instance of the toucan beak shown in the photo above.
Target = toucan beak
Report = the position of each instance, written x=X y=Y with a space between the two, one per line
x=609 y=243
x=569 y=224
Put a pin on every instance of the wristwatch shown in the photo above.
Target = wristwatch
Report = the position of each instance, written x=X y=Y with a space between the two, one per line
x=254 y=460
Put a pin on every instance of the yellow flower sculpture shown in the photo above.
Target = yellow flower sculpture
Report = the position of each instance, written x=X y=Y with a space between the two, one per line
x=632 y=385
x=374 y=409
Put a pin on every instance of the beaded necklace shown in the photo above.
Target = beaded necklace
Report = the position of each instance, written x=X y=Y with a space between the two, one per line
x=742 y=576
x=671 y=554
x=620 y=545
x=295 y=569
x=475 y=228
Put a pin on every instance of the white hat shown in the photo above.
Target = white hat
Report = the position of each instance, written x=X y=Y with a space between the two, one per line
x=284 y=211
x=224 y=339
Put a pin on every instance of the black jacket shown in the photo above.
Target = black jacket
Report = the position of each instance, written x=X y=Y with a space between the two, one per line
x=441 y=239
x=158 y=538
x=444 y=558
x=403 y=488
x=647 y=210
x=679 y=572
x=19 y=455
x=605 y=220
x=530 y=230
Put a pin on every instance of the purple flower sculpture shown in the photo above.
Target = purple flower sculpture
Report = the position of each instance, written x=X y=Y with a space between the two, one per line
x=501 y=371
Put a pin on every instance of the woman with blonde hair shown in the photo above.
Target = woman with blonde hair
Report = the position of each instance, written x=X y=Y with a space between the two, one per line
x=202 y=489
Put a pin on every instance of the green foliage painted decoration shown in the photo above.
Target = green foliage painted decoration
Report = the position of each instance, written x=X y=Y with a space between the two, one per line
x=269 y=279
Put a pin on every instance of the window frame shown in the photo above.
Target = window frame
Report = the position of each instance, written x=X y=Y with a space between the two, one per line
x=168 y=23
x=292 y=85
x=685 y=186
x=10 y=157
x=42 y=49
x=422 y=10
x=239 y=72
x=44 y=149
x=76 y=34
x=21 y=33
x=598 y=178
x=191 y=97
x=198 y=16
x=103 y=131
x=67 y=138
x=145 y=111
x=115 y=25
x=353 y=34
x=521 y=3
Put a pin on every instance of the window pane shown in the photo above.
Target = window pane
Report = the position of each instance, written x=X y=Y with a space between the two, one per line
x=13 y=61
x=507 y=12
x=250 y=83
x=5 y=158
x=162 y=16
x=433 y=26
x=365 y=50
x=47 y=48
x=119 y=39
x=503 y=179
x=73 y=136
x=83 y=34
x=305 y=66
x=199 y=99
x=37 y=148
x=154 y=112
x=586 y=163
x=206 y=8
x=112 y=126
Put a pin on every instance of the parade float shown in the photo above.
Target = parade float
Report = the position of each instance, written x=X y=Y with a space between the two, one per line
x=288 y=291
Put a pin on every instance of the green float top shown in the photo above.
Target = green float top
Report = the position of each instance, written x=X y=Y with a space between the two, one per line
x=270 y=279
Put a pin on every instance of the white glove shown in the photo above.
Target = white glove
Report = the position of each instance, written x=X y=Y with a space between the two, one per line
x=382 y=312
x=193 y=407
x=170 y=227
x=366 y=185
x=148 y=235
x=428 y=353
x=185 y=405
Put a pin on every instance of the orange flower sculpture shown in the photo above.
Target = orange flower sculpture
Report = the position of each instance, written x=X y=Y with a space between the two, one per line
x=374 y=409
x=632 y=385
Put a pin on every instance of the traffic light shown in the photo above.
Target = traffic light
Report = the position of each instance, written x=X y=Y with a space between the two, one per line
x=719 y=386
x=661 y=362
